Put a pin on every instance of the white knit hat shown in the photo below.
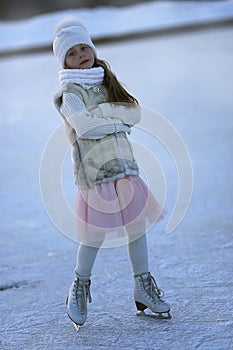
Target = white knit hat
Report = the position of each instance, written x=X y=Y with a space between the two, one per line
x=68 y=33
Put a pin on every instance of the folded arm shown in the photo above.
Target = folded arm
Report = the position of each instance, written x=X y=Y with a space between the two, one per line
x=89 y=123
x=126 y=112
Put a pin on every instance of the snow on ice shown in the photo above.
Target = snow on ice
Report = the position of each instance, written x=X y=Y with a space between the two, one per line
x=109 y=20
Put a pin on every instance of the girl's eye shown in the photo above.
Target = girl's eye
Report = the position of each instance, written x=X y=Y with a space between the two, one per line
x=71 y=53
x=83 y=48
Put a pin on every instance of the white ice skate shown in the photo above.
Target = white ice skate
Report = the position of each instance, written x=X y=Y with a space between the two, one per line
x=148 y=295
x=76 y=301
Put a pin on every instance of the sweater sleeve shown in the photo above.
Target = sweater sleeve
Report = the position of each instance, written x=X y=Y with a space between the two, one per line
x=129 y=115
x=91 y=124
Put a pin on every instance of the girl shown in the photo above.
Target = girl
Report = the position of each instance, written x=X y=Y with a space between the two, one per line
x=112 y=200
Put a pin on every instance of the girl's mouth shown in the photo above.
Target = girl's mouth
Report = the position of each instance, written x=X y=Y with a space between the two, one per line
x=83 y=62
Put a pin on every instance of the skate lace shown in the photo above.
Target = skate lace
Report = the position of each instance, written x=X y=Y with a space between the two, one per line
x=152 y=288
x=81 y=292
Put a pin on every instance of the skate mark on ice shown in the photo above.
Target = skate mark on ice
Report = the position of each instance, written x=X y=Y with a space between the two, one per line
x=13 y=285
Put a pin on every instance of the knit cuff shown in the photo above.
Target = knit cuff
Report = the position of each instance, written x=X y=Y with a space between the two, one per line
x=120 y=127
x=106 y=109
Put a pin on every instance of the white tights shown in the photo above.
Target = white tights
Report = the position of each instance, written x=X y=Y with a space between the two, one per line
x=137 y=251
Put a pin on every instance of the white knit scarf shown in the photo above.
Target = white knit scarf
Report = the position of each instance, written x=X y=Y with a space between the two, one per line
x=87 y=78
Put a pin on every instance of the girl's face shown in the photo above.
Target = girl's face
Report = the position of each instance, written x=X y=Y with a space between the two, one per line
x=79 y=57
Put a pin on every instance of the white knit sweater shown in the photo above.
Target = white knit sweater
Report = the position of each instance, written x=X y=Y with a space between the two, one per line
x=97 y=121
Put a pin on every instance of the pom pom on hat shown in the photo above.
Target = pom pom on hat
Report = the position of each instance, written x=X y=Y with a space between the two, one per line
x=68 y=33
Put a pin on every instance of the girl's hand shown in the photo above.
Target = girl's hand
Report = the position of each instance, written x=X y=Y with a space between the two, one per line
x=123 y=128
x=129 y=114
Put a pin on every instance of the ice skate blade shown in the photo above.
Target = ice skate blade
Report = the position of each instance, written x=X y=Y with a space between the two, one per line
x=76 y=326
x=158 y=315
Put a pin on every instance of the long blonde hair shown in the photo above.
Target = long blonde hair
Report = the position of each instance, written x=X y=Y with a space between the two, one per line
x=116 y=92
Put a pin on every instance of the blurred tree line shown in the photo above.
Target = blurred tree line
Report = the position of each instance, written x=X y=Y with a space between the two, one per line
x=17 y=9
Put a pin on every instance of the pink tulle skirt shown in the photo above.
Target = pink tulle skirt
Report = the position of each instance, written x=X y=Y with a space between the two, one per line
x=114 y=212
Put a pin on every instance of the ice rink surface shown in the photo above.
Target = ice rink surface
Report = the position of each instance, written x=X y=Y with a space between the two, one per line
x=188 y=78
